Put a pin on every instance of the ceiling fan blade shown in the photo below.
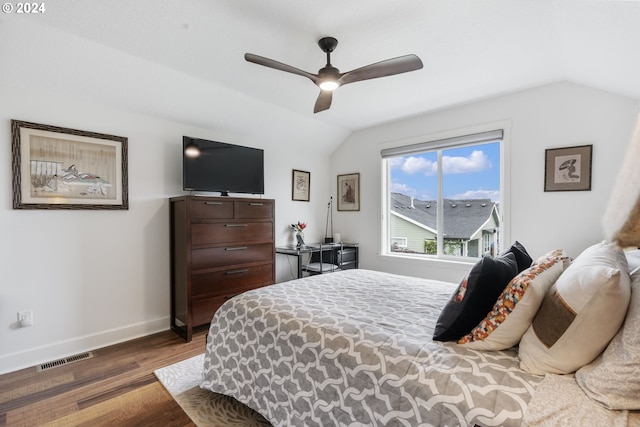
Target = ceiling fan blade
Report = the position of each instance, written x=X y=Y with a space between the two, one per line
x=389 y=67
x=324 y=101
x=261 y=60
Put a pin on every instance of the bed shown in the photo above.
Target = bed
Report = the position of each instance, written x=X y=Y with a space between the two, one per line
x=355 y=348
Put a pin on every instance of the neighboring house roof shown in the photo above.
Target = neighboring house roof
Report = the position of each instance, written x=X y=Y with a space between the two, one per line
x=463 y=217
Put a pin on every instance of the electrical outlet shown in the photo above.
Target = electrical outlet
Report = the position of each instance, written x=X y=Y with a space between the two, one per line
x=25 y=318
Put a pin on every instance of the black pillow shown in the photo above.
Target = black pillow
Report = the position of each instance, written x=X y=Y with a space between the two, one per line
x=475 y=296
x=522 y=257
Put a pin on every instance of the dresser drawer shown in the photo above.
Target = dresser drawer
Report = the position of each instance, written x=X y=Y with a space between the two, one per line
x=203 y=309
x=255 y=210
x=214 y=209
x=230 y=255
x=202 y=234
x=231 y=281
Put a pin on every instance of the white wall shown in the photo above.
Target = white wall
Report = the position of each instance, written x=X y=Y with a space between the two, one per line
x=557 y=115
x=93 y=278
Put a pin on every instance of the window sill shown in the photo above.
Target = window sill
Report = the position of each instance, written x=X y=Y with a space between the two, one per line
x=447 y=269
x=451 y=261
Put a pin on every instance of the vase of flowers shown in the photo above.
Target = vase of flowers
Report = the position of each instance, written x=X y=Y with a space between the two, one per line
x=299 y=235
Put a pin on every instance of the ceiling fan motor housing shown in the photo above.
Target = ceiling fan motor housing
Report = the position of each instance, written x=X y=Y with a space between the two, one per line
x=327 y=44
x=328 y=72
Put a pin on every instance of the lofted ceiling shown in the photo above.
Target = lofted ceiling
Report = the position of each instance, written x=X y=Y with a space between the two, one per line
x=471 y=49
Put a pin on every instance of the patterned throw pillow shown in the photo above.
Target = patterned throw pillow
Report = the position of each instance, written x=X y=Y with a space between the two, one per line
x=516 y=307
x=580 y=314
x=477 y=293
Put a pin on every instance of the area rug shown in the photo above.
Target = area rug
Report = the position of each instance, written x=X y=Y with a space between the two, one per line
x=205 y=408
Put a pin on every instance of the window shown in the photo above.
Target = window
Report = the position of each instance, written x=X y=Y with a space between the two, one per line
x=443 y=197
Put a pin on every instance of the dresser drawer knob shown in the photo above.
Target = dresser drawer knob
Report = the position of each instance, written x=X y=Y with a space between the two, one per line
x=236 y=225
x=213 y=203
x=243 y=270
x=237 y=248
x=256 y=204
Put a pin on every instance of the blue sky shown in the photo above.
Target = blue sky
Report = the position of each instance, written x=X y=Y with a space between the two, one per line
x=469 y=173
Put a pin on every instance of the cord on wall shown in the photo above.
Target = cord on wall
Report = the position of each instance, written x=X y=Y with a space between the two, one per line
x=328 y=237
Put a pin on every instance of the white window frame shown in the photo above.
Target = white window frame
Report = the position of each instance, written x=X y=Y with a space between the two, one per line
x=430 y=142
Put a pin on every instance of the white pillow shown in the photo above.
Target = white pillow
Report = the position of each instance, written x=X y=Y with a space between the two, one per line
x=580 y=314
x=613 y=379
x=516 y=307
x=633 y=258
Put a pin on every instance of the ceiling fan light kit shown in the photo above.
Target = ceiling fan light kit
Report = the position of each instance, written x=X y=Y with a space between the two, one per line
x=329 y=85
x=329 y=78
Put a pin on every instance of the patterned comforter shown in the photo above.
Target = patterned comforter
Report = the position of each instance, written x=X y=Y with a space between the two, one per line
x=354 y=348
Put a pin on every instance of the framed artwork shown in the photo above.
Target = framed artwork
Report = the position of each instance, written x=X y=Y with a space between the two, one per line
x=300 y=185
x=349 y=192
x=568 y=169
x=61 y=168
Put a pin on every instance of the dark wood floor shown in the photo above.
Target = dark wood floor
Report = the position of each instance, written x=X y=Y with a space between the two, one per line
x=117 y=387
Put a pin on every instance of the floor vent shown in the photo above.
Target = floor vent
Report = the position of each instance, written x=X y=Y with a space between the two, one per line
x=65 y=361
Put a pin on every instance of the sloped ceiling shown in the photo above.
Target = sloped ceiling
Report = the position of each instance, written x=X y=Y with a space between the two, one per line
x=471 y=49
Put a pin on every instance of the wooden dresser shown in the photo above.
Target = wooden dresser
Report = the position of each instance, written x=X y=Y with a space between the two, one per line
x=220 y=247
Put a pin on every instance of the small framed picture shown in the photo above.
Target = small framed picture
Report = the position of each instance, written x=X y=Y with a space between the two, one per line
x=300 y=185
x=62 y=168
x=568 y=169
x=349 y=192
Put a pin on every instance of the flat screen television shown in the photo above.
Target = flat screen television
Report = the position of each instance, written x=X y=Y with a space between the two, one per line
x=222 y=167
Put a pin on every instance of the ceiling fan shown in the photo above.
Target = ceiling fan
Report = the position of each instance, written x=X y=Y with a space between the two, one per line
x=330 y=78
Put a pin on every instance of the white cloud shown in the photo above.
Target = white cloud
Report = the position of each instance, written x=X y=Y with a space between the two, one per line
x=397 y=187
x=494 y=195
x=413 y=165
x=477 y=161
x=395 y=162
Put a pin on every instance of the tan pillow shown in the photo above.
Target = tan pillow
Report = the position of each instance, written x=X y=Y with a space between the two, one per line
x=613 y=379
x=580 y=314
x=516 y=307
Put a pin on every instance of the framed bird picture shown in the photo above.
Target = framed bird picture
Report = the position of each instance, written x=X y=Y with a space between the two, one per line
x=568 y=169
x=62 y=168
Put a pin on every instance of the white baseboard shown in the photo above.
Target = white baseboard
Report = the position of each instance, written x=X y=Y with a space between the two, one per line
x=54 y=351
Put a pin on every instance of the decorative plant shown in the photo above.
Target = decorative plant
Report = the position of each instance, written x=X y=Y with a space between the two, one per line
x=299 y=226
